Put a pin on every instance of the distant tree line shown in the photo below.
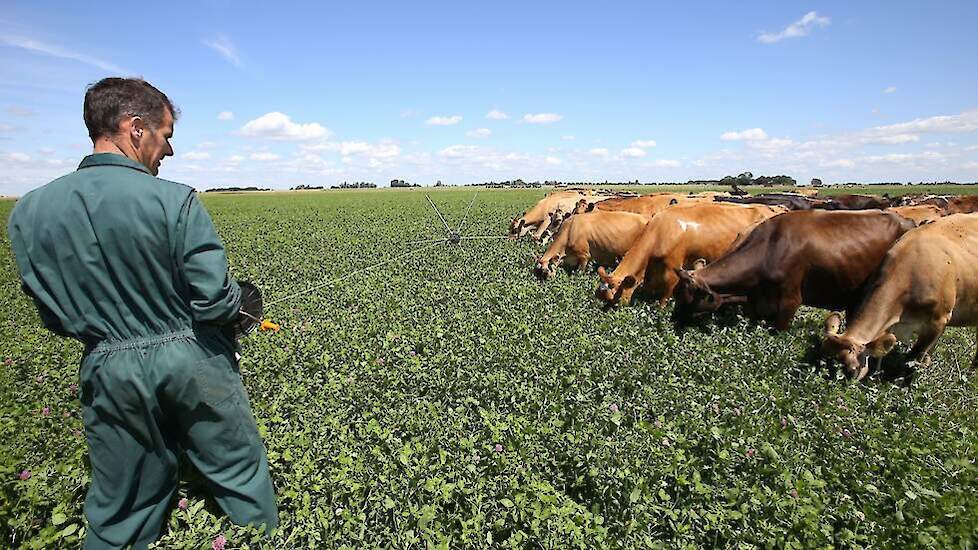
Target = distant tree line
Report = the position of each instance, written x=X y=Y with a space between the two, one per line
x=355 y=185
x=234 y=189
x=402 y=183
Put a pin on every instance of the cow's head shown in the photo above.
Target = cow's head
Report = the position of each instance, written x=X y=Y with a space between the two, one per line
x=580 y=207
x=516 y=225
x=616 y=289
x=694 y=298
x=853 y=355
x=545 y=267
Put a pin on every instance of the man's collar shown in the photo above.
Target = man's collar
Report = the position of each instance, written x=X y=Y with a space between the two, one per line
x=111 y=159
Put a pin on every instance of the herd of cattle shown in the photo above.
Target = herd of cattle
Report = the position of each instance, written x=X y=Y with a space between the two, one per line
x=896 y=267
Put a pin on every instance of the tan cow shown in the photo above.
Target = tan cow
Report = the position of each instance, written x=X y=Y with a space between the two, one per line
x=926 y=282
x=539 y=218
x=920 y=214
x=650 y=205
x=604 y=236
x=674 y=239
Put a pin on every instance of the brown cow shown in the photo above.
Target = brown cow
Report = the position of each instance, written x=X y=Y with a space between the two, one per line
x=926 y=282
x=604 y=236
x=812 y=257
x=673 y=239
x=919 y=213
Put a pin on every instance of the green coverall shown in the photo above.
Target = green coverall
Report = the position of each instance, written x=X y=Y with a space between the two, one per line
x=131 y=265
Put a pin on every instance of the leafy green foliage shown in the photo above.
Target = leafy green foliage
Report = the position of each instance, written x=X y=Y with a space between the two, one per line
x=450 y=400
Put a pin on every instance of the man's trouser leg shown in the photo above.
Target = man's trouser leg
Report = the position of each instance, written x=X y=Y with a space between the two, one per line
x=134 y=462
x=222 y=441
x=141 y=406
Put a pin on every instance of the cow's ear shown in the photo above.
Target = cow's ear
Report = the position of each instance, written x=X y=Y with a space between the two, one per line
x=602 y=273
x=628 y=282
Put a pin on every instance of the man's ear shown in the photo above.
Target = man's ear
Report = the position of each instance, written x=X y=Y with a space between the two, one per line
x=137 y=126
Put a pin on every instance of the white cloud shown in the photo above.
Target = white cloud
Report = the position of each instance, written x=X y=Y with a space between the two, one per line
x=839 y=163
x=196 y=155
x=276 y=125
x=890 y=90
x=667 y=163
x=598 y=152
x=553 y=160
x=19 y=111
x=970 y=165
x=57 y=51
x=5 y=128
x=225 y=115
x=479 y=133
x=568 y=138
x=16 y=157
x=644 y=143
x=971 y=148
x=264 y=156
x=223 y=45
x=444 y=120
x=633 y=152
x=459 y=151
x=234 y=159
x=894 y=139
x=799 y=28
x=382 y=150
x=541 y=118
x=753 y=134
x=960 y=123
x=496 y=114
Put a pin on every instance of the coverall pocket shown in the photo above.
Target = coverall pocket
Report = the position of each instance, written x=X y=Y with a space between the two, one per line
x=218 y=383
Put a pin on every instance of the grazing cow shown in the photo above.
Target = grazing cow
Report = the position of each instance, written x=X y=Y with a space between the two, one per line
x=919 y=213
x=649 y=205
x=603 y=236
x=674 y=239
x=539 y=217
x=965 y=204
x=926 y=282
x=787 y=200
x=816 y=258
x=853 y=202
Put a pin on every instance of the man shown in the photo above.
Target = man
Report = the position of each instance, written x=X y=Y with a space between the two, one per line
x=131 y=265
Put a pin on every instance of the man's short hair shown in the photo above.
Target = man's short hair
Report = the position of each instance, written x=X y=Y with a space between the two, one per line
x=110 y=100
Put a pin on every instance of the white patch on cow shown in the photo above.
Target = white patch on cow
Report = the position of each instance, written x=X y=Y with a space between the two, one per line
x=683 y=224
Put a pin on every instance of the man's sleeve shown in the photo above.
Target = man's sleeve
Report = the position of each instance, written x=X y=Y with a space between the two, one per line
x=214 y=295
x=29 y=281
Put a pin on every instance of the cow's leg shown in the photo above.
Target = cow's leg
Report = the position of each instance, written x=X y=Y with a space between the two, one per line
x=541 y=229
x=787 y=306
x=926 y=338
x=669 y=282
x=580 y=253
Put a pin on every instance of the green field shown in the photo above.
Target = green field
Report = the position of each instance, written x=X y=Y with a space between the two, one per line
x=449 y=399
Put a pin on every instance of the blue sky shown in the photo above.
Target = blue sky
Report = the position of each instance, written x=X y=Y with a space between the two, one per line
x=466 y=92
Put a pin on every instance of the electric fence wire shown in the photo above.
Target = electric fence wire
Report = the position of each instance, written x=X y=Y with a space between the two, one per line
x=450 y=237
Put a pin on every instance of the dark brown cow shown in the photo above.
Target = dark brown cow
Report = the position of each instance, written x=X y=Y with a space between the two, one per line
x=789 y=201
x=813 y=257
x=853 y=202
